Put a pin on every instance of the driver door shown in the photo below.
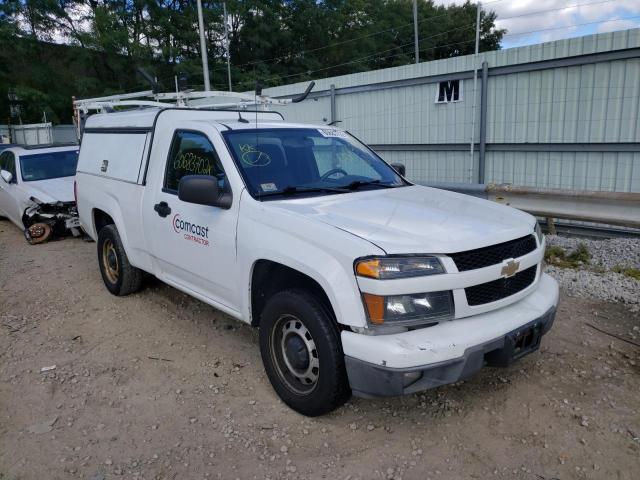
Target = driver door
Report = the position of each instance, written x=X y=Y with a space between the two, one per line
x=8 y=193
x=193 y=245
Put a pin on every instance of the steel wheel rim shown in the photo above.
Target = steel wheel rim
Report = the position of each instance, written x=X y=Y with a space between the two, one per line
x=291 y=344
x=110 y=261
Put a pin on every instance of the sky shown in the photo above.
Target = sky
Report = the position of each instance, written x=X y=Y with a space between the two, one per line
x=580 y=17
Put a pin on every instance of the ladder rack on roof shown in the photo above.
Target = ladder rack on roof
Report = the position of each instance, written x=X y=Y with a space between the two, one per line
x=184 y=99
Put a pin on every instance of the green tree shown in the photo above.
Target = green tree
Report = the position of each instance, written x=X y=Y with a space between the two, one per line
x=62 y=48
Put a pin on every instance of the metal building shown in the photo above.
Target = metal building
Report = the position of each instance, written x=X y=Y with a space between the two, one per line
x=563 y=114
x=38 y=134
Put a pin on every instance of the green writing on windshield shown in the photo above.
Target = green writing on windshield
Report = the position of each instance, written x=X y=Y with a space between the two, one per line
x=253 y=157
x=193 y=163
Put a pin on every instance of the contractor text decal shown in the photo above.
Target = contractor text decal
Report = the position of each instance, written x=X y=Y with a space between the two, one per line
x=191 y=231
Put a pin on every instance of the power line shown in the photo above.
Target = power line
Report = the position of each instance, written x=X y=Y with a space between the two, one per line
x=380 y=32
x=381 y=53
x=571 y=26
x=538 y=12
x=269 y=60
x=359 y=59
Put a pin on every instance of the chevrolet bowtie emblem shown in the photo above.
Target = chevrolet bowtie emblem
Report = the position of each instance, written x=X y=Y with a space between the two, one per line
x=510 y=268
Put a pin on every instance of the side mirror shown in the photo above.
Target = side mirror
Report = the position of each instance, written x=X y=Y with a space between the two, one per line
x=203 y=190
x=6 y=176
x=400 y=168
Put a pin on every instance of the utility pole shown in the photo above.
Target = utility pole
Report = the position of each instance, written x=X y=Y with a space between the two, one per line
x=415 y=30
x=226 y=42
x=203 y=49
x=475 y=80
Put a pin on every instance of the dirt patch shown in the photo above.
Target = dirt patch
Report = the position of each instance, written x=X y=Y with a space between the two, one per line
x=160 y=386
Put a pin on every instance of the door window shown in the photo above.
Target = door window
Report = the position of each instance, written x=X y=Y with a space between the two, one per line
x=192 y=153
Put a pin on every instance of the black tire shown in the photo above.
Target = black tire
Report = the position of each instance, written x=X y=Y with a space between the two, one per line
x=118 y=275
x=328 y=387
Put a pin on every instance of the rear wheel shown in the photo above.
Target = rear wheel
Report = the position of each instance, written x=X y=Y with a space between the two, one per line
x=302 y=353
x=118 y=275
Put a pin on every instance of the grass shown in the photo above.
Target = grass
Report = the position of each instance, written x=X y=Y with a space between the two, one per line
x=557 y=256
x=580 y=254
x=628 y=271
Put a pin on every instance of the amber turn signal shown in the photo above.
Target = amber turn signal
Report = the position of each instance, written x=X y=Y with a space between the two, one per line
x=369 y=268
x=375 y=308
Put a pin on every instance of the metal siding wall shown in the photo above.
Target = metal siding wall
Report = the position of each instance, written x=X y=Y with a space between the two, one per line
x=64 y=134
x=316 y=111
x=412 y=111
x=435 y=166
x=607 y=171
x=602 y=42
x=584 y=104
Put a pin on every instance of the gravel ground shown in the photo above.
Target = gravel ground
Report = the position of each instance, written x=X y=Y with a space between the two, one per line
x=604 y=253
x=596 y=280
x=158 y=385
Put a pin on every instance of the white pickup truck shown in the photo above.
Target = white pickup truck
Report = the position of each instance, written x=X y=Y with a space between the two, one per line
x=359 y=281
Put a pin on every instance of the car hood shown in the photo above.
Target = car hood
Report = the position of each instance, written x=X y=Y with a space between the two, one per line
x=52 y=190
x=416 y=219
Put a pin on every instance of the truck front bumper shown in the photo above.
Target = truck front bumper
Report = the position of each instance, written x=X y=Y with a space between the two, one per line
x=403 y=363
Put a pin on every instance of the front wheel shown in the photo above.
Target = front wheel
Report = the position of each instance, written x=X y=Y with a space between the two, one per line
x=119 y=276
x=302 y=353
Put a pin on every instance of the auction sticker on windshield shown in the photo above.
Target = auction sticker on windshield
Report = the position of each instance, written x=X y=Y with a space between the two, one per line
x=268 y=187
x=332 y=132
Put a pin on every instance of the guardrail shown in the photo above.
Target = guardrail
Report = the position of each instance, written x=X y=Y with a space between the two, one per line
x=611 y=208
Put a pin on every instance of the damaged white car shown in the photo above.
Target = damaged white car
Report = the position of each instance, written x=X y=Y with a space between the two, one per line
x=37 y=190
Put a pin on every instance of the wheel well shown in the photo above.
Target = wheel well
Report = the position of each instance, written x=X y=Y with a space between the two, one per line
x=269 y=278
x=101 y=219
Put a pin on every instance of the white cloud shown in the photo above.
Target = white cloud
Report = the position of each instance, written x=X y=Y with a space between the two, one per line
x=558 y=19
x=618 y=24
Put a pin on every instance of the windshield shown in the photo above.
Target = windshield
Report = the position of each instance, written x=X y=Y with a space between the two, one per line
x=44 y=166
x=282 y=161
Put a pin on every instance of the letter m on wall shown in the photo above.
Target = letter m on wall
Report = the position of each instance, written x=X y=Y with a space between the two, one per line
x=449 y=91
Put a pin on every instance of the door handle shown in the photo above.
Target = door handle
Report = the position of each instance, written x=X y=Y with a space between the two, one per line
x=162 y=208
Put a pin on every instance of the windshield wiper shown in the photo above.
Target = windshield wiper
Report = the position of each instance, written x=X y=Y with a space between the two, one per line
x=293 y=190
x=356 y=184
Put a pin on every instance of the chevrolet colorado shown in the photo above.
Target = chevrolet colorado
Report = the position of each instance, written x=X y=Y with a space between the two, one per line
x=359 y=281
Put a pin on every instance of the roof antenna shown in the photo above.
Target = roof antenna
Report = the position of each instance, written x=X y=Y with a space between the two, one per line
x=240 y=119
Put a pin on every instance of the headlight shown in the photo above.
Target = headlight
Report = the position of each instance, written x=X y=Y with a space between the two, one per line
x=417 y=308
x=539 y=234
x=384 y=268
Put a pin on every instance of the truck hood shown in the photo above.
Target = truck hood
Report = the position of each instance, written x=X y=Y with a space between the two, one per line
x=52 y=190
x=416 y=219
